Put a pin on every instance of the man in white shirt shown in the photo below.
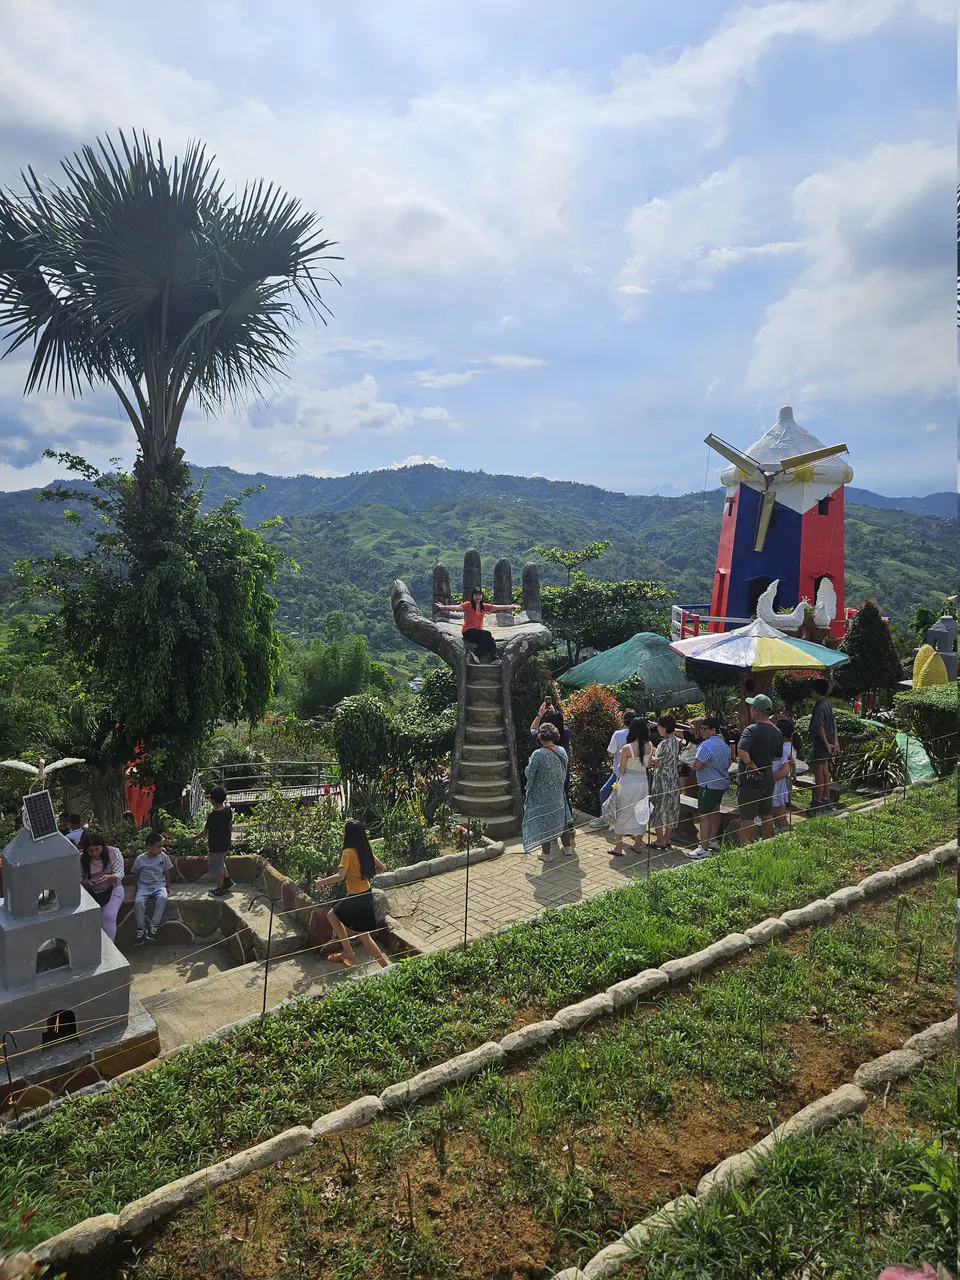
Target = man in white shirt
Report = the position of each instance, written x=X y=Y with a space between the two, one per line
x=616 y=744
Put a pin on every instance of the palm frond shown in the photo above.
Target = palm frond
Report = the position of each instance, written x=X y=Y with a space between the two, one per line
x=140 y=274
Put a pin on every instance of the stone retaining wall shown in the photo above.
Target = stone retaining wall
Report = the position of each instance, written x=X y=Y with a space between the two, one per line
x=93 y=1233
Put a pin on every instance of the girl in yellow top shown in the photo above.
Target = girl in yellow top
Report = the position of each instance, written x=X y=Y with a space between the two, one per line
x=358 y=865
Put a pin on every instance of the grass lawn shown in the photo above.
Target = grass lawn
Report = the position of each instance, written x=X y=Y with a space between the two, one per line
x=516 y=1173
x=95 y=1153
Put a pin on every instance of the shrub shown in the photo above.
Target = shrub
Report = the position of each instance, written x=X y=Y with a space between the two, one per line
x=438 y=693
x=928 y=668
x=719 y=684
x=629 y=693
x=593 y=715
x=880 y=765
x=930 y=714
x=362 y=736
x=301 y=841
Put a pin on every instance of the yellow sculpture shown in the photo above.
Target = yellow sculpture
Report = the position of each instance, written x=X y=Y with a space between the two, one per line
x=928 y=668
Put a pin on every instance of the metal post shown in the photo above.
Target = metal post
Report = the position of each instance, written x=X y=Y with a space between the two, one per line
x=266 y=963
x=3 y=1044
x=466 y=895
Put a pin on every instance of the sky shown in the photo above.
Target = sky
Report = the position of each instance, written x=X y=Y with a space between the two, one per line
x=575 y=238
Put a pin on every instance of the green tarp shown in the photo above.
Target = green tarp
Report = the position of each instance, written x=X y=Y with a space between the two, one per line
x=919 y=768
x=646 y=655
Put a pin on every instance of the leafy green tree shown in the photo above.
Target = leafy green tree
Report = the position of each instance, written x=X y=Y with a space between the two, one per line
x=167 y=617
x=921 y=622
x=874 y=664
x=331 y=672
x=590 y=614
x=572 y=559
x=147 y=277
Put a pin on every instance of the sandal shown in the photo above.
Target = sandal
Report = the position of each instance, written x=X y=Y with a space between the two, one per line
x=616 y=853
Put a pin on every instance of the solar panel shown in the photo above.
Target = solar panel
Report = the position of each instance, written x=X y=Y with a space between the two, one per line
x=38 y=814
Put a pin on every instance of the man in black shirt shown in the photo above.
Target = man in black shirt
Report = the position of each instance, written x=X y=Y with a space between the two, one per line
x=760 y=744
x=824 y=745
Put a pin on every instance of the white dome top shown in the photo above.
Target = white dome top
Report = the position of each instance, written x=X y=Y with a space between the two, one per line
x=801 y=488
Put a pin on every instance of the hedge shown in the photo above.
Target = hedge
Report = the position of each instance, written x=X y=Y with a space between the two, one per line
x=930 y=714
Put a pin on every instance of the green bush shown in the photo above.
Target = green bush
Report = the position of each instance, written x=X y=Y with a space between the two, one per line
x=362 y=737
x=301 y=841
x=931 y=715
x=630 y=693
x=792 y=690
x=438 y=693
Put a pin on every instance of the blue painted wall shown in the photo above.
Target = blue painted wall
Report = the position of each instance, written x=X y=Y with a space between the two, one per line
x=780 y=557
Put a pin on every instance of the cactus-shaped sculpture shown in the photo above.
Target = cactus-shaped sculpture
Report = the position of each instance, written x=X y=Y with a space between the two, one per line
x=484 y=781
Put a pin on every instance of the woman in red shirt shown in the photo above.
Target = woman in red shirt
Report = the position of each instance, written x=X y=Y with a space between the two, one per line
x=473 y=630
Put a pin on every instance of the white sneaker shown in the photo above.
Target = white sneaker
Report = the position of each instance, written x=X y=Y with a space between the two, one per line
x=713 y=845
x=696 y=854
x=597 y=824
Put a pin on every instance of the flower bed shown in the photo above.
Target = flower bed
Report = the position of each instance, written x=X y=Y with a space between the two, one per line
x=219 y=1096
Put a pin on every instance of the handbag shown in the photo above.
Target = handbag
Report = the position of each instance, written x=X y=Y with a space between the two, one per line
x=609 y=809
x=102 y=896
x=641 y=811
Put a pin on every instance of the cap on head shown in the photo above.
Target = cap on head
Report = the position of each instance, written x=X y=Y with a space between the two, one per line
x=761 y=702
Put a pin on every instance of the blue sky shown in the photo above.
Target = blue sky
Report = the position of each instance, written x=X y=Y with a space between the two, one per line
x=576 y=238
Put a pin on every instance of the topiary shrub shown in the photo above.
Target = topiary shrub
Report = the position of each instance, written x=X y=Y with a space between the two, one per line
x=928 y=668
x=438 y=693
x=792 y=689
x=874 y=665
x=362 y=737
x=930 y=714
x=593 y=715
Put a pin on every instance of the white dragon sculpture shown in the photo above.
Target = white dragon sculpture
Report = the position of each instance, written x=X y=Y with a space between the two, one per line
x=824 y=610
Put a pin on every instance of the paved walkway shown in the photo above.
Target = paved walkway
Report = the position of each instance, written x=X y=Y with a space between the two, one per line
x=514 y=887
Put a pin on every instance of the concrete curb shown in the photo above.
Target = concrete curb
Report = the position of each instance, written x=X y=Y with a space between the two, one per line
x=85 y=1237
x=437 y=866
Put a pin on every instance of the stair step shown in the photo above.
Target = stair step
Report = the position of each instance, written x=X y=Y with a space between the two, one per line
x=498 y=826
x=484 y=768
x=481 y=752
x=480 y=806
x=484 y=788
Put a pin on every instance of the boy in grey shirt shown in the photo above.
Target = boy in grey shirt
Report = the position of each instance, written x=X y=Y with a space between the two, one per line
x=152 y=869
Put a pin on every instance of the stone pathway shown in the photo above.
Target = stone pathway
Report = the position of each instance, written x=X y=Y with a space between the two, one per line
x=185 y=1013
x=514 y=887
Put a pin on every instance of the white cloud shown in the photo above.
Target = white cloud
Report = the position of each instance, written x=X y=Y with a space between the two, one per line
x=430 y=377
x=872 y=313
x=434 y=413
x=416 y=460
x=508 y=322
x=692 y=236
x=513 y=362
x=930 y=427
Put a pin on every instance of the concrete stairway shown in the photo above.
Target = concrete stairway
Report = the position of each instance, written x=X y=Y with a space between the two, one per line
x=482 y=790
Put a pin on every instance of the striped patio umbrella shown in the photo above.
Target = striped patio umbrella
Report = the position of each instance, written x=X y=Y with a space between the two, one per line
x=760 y=647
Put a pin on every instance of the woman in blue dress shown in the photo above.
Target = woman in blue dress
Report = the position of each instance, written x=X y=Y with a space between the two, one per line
x=546 y=812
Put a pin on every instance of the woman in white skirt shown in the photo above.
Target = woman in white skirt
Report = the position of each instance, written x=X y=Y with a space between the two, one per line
x=632 y=789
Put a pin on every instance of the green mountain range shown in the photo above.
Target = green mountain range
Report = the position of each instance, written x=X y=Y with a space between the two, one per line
x=351 y=535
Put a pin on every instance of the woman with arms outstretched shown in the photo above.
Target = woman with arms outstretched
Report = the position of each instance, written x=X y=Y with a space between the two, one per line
x=473 y=630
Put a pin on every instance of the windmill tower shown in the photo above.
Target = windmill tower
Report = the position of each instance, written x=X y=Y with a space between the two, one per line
x=782 y=519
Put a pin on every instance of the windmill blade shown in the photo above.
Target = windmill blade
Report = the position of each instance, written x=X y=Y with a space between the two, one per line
x=742 y=460
x=21 y=765
x=814 y=455
x=766 y=511
x=63 y=764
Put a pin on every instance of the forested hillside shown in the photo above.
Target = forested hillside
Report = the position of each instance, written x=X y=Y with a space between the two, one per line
x=352 y=535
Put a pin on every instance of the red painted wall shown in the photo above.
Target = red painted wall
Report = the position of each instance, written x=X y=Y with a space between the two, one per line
x=821 y=552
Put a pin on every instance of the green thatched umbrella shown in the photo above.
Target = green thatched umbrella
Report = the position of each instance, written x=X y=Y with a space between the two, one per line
x=646 y=655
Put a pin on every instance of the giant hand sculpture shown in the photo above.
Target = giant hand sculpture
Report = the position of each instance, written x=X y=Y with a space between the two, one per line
x=484 y=782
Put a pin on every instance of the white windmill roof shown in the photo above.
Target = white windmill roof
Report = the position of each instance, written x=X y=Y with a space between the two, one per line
x=803 y=488
x=784 y=439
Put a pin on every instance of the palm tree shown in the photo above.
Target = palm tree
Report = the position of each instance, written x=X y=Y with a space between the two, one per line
x=146 y=277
